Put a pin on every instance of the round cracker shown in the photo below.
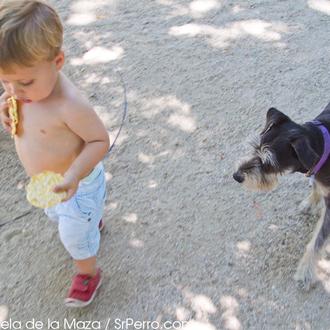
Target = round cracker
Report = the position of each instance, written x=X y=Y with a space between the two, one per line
x=40 y=189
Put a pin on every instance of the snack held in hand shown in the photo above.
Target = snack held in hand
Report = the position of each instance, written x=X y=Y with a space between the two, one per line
x=13 y=114
x=40 y=189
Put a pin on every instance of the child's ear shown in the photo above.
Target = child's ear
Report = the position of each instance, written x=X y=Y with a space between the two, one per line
x=59 y=60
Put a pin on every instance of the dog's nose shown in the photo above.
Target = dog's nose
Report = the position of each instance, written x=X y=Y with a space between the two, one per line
x=238 y=177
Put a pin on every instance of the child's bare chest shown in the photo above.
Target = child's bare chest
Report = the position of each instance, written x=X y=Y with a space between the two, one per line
x=43 y=141
x=38 y=123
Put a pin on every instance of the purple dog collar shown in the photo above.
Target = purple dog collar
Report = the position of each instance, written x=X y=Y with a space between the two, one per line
x=326 y=149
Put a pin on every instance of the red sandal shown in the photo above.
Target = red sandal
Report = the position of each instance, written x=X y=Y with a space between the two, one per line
x=83 y=290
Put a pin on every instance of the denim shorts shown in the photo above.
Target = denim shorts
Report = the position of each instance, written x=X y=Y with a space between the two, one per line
x=78 y=218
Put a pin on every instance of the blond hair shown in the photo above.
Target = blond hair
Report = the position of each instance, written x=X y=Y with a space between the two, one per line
x=30 y=32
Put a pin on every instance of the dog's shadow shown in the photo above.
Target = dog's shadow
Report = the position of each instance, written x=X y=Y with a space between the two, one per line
x=285 y=243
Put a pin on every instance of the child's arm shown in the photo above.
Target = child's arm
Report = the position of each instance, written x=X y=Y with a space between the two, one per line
x=84 y=122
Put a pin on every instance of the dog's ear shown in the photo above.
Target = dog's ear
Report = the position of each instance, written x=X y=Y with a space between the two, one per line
x=274 y=117
x=305 y=153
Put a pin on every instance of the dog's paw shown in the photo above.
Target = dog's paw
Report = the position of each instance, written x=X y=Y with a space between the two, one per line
x=305 y=277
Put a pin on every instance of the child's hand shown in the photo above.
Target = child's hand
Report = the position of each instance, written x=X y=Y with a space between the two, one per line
x=4 y=112
x=69 y=185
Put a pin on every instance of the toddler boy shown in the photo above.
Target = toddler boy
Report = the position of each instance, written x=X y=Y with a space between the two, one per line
x=57 y=131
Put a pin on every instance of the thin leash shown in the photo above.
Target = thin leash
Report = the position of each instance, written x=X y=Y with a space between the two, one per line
x=124 y=111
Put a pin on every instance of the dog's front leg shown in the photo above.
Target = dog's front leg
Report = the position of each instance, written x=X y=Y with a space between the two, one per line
x=309 y=204
x=305 y=275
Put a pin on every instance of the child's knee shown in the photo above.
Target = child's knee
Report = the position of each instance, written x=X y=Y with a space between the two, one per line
x=81 y=241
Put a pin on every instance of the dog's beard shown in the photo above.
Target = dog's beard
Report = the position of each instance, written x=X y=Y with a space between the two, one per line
x=257 y=181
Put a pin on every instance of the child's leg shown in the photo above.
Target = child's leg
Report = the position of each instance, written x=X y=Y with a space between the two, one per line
x=86 y=266
x=81 y=239
x=79 y=229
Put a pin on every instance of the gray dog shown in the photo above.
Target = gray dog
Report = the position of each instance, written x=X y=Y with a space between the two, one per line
x=286 y=147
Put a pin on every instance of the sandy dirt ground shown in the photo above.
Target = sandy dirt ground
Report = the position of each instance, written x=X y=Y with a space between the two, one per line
x=183 y=241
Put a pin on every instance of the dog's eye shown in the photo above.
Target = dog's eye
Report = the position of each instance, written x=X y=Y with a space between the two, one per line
x=252 y=166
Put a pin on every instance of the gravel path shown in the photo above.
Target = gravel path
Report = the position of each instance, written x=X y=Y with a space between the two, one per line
x=183 y=241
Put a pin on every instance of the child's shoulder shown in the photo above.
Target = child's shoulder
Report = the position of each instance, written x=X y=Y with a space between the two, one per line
x=71 y=99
